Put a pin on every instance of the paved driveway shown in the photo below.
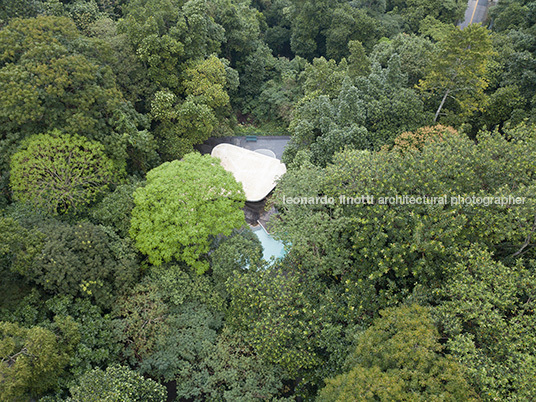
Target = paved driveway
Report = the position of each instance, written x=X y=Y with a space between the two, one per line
x=274 y=143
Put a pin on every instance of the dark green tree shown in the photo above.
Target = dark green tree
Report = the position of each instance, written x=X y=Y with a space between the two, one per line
x=53 y=78
x=82 y=260
x=115 y=208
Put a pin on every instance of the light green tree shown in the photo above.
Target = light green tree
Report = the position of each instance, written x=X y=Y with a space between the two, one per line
x=32 y=359
x=117 y=384
x=183 y=205
x=458 y=71
x=61 y=173
x=400 y=358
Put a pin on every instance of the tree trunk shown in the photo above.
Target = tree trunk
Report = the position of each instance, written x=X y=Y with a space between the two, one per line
x=441 y=105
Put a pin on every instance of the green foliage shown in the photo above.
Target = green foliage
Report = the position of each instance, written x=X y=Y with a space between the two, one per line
x=511 y=72
x=117 y=383
x=84 y=13
x=238 y=373
x=32 y=359
x=91 y=89
x=349 y=24
x=181 y=352
x=129 y=71
x=145 y=310
x=61 y=173
x=360 y=112
x=269 y=87
x=183 y=205
x=18 y=9
x=169 y=325
x=166 y=34
x=457 y=72
x=324 y=77
x=52 y=78
x=324 y=28
x=115 y=208
x=506 y=104
x=381 y=251
x=240 y=251
x=358 y=62
x=18 y=246
x=414 y=51
x=142 y=320
x=242 y=28
x=97 y=346
x=414 y=11
x=204 y=111
x=290 y=321
x=181 y=125
x=400 y=358
x=511 y=15
x=487 y=313
x=82 y=260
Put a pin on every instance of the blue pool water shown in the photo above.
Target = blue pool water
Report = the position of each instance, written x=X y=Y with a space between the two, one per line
x=271 y=247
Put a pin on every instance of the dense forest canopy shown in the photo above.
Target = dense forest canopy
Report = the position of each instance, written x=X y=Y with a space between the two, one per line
x=128 y=272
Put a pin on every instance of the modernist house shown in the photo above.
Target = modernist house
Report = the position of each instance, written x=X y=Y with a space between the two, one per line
x=256 y=170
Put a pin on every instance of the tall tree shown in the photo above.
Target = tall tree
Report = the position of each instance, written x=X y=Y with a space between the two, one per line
x=53 y=78
x=183 y=205
x=458 y=71
x=61 y=173
x=32 y=359
x=117 y=383
x=400 y=358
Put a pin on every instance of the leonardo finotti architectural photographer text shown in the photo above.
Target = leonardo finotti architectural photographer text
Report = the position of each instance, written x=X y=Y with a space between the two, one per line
x=406 y=200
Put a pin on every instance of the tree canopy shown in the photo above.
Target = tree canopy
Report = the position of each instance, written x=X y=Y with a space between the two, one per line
x=61 y=173
x=182 y=206
x=407 y=210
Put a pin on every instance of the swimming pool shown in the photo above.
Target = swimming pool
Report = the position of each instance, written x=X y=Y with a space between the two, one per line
x=270 y=246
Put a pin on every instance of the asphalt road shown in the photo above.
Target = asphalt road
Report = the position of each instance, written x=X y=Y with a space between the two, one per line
x=276 y=144
x=476 y=12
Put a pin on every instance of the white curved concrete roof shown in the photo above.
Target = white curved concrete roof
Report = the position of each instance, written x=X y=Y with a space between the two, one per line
x=255 y=171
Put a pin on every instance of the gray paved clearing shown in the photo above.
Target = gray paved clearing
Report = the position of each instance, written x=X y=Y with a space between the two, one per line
x=476 y=12
x=274 y=143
